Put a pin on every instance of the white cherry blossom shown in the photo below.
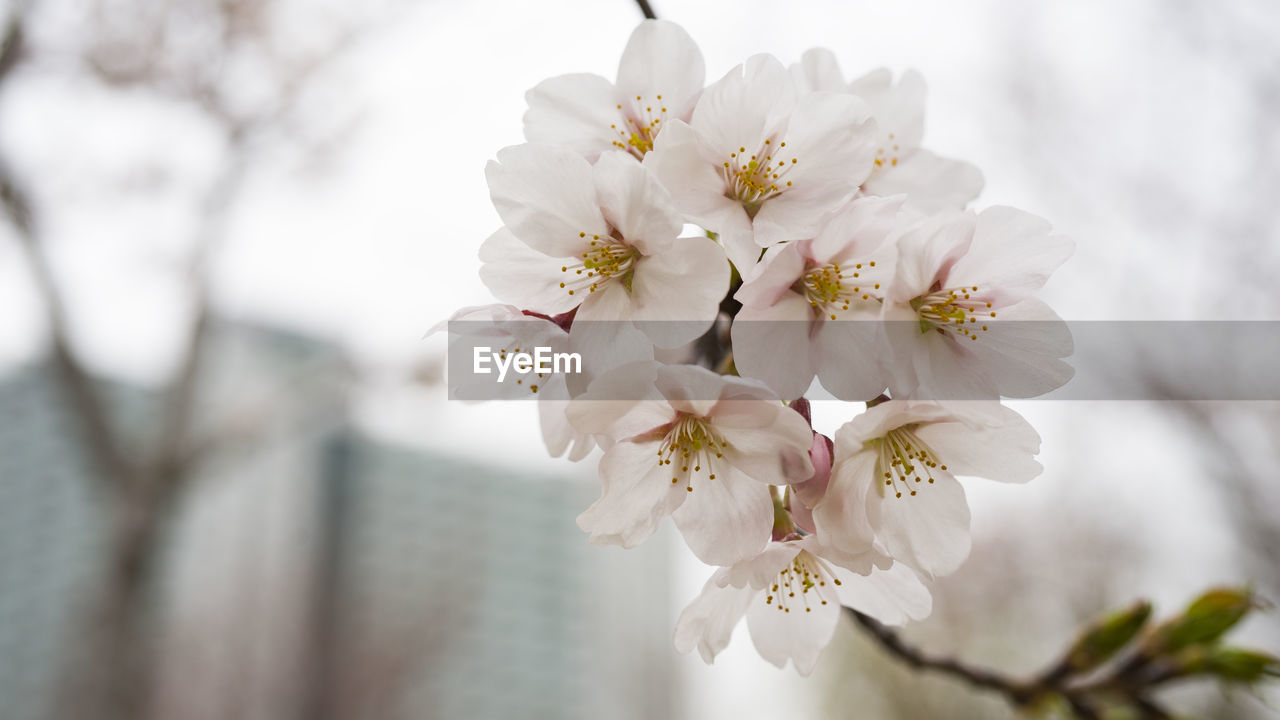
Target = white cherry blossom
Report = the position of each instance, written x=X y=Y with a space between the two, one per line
x=683 y=441
x=820 y=299
x=791 y=595
x=930 y=182
x=659 y=79
x=506 y=330
x=959 y=315
x=894 y=477
x=603 y=239
x=759 y=164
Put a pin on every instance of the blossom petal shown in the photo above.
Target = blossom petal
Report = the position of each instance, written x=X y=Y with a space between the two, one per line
x=546 y=197
x=1012 y=255
x=892 y=596
x=818 y=71
x=574 y=112
x=832 y=139
x=757 y=335
x=799 y=631
x=929 y=181
x=518 y=274
x=851 y=358
x=765 y=440
x=840 y=518
x=745 y=106
x=897 y=108
x=725 y=520
x=708 y=622
x=1003 y=450
x=621 y=404
x=637 y=495
x=559 y=435
x=662 y=63
x=929 y=530
x=1022 y=352
x=635 y=203
x=677 y=292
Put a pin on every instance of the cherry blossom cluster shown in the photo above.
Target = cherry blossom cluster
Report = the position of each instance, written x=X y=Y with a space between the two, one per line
x=716 y=252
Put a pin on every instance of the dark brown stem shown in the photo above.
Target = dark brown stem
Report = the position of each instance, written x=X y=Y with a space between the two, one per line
x=1020 y=693
x=1017 y=692
x=647 y=9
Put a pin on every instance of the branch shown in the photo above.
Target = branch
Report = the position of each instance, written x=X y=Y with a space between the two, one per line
x=1128 y=680
x=647 y=9
x=76 y=381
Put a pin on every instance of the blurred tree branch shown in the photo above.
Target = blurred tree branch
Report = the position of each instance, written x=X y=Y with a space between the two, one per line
x=141 y=485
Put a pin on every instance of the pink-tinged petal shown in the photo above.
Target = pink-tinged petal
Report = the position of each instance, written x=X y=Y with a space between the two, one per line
x=677 y=292
x=744 y=107
x=637 y=495
x=1012 y=255
x=929 y=530
x=859 y=563
x=840 y=518
x=818 y=71
x=864 y=228
x=546 y=197
x=635 y=203
x=946 y=368
x=691 y=389
x=926 y=253
x=559 y=435
x=758 y=335
x=621 y=404
x=851 y=358
x=930 y=182
x=518 y=274
x=892 y=596
x=765 y=440
x=574 y=112
x=725 y=520
x=898 y=109
x=603 y=335
x=766 y=282
x=799 y=632
x=832 y=140
x=810 y=492
x=708 y=622
x=876 y=421
x=1004 y=451
x=661 y=64
x=735 y=233
x=760 y=571
x=686 y=166
x=1022 y=352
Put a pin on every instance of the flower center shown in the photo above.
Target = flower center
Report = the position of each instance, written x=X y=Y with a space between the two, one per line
x=904 y=461
x=958 y=311
x=689 y=447
x=887 y=159
x=602 y=260
x=537 y=376
x=640 y=125
x=753 y=179
x=831 y=288
x=805 y=573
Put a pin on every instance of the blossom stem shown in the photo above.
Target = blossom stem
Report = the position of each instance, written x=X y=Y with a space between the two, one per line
x=1018 y=692
x=647 y=9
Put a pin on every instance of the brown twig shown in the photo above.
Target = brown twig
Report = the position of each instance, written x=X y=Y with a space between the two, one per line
x=1019 y=692
x=647 y=10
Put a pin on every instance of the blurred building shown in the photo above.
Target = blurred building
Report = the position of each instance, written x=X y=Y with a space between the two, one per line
x=314 y=571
